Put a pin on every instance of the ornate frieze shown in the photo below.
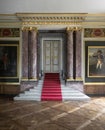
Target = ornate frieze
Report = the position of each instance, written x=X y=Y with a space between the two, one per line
x=9 y=32
x=94 y=32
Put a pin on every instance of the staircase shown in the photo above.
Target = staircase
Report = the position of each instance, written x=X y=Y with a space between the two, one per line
x=66 y=93
x=51 y=87
x=33 y=94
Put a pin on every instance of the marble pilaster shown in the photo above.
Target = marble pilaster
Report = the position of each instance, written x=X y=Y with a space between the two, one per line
x=33 y=55
x=70 y=55
x=29 y=58
x=25 y=54
x=78 y=72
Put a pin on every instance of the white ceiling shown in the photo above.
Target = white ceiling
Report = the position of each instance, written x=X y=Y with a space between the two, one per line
x=52 y=6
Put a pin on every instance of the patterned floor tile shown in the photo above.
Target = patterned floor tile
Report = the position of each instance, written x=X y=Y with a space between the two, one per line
x=68 y=115
x=94 y=126
x=71 y=121
x=50 y=126
x=66 y=107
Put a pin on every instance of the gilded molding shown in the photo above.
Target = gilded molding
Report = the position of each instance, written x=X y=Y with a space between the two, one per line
x=33 y=19
x=8 y=83
x=33 y=79
x=94 y=83
x=51 y=19
x=24 y=79
x=70 y=79
x=79 y=79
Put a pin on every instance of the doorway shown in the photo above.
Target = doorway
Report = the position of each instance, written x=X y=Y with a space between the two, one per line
x=52 y=55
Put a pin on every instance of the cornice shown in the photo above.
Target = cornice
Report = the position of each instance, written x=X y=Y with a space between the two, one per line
x=51 y=18
x=9 y=18
x=63 y=19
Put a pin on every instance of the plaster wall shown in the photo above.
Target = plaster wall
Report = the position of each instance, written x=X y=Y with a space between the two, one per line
x=52 y=6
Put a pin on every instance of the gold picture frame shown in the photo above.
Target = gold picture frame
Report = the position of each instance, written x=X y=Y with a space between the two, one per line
x=9 y=61
x=94 y=61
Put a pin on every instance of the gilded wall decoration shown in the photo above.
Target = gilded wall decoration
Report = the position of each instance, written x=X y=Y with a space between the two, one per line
x=94 y=32
x=9 y=32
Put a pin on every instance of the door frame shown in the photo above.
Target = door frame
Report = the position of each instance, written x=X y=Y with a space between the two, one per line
x=60 y=53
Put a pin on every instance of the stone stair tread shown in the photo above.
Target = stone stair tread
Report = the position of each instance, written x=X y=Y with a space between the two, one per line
x=67 y=93
x=30 y=94
x=27 y=98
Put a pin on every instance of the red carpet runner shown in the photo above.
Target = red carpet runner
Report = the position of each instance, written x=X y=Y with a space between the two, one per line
x=51 y=90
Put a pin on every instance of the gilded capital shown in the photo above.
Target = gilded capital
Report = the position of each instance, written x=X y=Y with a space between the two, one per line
x=75 y=28
x=29 y=29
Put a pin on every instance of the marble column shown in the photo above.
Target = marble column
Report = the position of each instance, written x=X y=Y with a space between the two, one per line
x=29 y=58
x=25 y=55
x=78 y=74
x=33 y=55
x=69 y=55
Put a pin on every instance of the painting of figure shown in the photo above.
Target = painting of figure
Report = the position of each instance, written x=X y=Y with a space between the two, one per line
x=8 y=60
x=96 y=61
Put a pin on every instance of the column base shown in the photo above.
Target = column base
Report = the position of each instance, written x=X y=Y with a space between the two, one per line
x=78 y=79
x=69 y=79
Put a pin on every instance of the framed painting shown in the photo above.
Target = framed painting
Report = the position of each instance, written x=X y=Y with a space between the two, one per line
x=9 y=61
x=95 y=61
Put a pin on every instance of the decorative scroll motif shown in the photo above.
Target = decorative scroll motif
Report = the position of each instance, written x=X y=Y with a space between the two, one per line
x=9 y=32
x=94 y=32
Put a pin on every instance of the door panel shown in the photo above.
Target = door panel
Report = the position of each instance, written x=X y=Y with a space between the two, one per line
x=47 y=57
x=55 y=56
x=51 y=55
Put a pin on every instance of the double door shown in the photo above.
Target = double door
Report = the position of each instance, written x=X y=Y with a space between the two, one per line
x=51 y=55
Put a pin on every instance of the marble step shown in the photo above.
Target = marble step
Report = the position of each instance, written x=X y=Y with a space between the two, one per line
x=63 y=93
x=35 y=90
x=27 y=98
x=32 y=95
x=64 y=98
x=72 y=94
x=29 y=94
x=67 y=93
x=38 y=98
x=83 y=98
